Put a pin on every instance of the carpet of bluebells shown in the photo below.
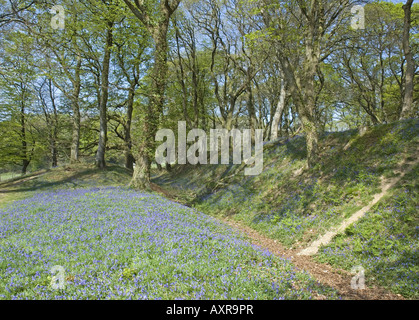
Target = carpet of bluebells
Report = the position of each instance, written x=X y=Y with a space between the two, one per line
x=117 y=243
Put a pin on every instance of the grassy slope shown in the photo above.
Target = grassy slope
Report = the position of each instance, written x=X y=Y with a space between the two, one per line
x=72 y=177
x=295 y=205
x=386 y=241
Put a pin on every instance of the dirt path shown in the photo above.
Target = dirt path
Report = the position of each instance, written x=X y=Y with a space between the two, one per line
x=386 y=184
x=324 y=273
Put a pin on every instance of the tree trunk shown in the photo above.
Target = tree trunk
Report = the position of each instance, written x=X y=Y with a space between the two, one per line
x=312 y=139
x=75 y=141
x=303 y=92
x=310 y=127
x=53 y=145
x=129 y=158
x=54 y=128
x=25 y=164
x=304 y=98
x=307 y=108
x=25 y=161
x=54 y=152
x=278 y=112
x=100 y=156
x=252 y=113
x=141 y=176
x=407 y=109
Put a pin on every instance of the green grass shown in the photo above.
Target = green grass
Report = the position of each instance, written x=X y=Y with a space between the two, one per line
x=8 y=176
x=72 y=177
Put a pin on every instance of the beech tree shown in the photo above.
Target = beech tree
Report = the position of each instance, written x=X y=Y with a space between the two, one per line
x=131 y=42
x=99 y=89
x=17 y=78
x=156 y=19
x=407 y=109
x=307 y=30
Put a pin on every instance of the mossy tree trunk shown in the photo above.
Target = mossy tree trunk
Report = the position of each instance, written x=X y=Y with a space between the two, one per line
x=304 y=80
x=407 y=109
x=100 y=155
x=129 y=158
x=157 y=23
x=75 y=139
